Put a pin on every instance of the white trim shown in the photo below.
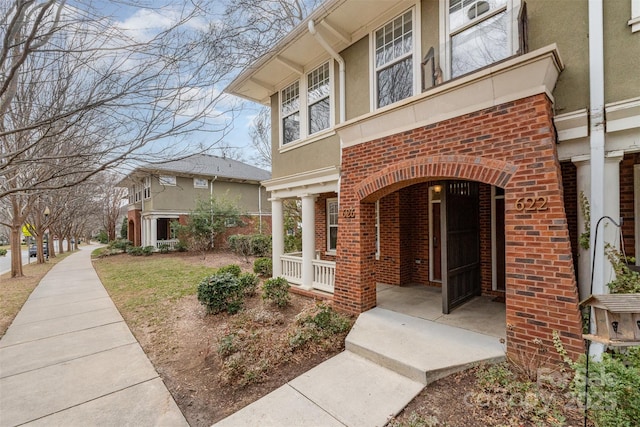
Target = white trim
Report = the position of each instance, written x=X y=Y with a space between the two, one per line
x=378 y=229
x=636 y=209
x=494 y=246
x=622 y=115
x=634 y=22
x=317 y=181
x=432 y=201
x=167 y=180
x=329 y=202
x=196 y=185
x=415 y=55
x=303 y=109
x=572 y=125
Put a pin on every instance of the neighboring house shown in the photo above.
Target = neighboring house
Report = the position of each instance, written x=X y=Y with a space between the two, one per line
x=445 y=143
x=166 y=192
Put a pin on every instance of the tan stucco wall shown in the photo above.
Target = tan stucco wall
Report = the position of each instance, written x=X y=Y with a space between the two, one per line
x=622 y=53
x=356 y=58
x=244 y=195
x=566 y=24
x=429 y=27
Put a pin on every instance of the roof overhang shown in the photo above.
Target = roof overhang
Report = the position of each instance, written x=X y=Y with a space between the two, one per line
x=340 y=22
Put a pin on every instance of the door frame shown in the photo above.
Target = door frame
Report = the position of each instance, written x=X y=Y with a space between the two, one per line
x=494 y=249
x=433 y=202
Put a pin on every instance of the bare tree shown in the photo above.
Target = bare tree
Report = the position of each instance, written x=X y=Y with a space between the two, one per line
x=110 y=199
x=260 y=134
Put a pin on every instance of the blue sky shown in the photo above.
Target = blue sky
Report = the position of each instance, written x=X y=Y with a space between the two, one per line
x=140 y=19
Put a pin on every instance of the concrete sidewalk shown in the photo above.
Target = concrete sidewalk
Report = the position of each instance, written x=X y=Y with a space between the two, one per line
x=69 y=359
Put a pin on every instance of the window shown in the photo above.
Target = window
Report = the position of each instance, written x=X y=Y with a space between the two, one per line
x=332 y=225
x=147 y=187
x=393 y=60
x=137 y=192
x=305 y=107
x=291 y=113
x=200 y=183
x=318 y=99
x=634 y=22
x=480 y=33
x=167 y=180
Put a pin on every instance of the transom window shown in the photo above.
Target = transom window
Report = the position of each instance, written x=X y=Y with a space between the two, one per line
x=332 y=224
x=305 y=107
x=479 y=33
x=394 y=47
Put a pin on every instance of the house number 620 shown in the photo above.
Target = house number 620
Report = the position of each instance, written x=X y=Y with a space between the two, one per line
x=532 y=204
x=348 y=213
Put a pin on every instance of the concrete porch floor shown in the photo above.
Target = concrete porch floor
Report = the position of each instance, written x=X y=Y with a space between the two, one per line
x=481 y=314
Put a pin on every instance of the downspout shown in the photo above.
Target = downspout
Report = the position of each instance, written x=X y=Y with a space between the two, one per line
x=342 y=78
x=597 y=146
x=211 y=205
x=260 y=208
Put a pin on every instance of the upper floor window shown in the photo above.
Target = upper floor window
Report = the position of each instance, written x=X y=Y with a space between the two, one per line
x=479 y=33
x=200 y=183
x=318 y=105
x=167 y=180
x=147 y=187
x=291 y=113
x=305 y=107
x=393 y=60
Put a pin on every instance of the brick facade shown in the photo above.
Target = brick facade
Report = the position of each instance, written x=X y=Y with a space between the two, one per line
x=511 y=146
x=134 y=228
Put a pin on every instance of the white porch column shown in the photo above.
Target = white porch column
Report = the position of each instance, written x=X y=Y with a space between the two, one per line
x=308 y=239
x=583 y=181
x=154 y=232
x=277 y=235
x=144 y=232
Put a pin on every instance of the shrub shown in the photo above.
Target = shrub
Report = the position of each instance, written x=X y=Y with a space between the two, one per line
x=136 y=251
x=181 y=246
x=232 y=269
x=148 y=250
x=317 y=324
x=3 y=252
x=276 y=291
x=120 y=244
x=221 y=292
x=260 y=245
x=163 y=248
x=248 y=283
x=263 y=267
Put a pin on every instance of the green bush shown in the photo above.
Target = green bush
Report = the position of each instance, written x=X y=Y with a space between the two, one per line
x=221 y=292
x=102 y=237
x=263 y=267
x=317 y=324
x=135 y=251
x=276 y=291
x=164 y=248
x=120 y=244
x=233 y=269
x=148 y=250
x=181 y=246
x=260 y=245
x=248 y=283
x=614 y=386
x=3 y=252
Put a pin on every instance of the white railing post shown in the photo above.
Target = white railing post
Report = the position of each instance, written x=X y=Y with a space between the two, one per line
x=277 y=236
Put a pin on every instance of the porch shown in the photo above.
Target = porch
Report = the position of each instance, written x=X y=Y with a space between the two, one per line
x=324 y=272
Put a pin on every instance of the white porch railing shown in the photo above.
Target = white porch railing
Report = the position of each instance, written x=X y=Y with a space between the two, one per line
x=171 y=243
x=324 y=272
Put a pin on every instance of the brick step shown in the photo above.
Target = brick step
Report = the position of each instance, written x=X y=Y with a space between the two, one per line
x=419 y=349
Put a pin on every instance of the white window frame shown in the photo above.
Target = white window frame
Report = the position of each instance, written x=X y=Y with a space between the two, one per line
x=329 y=202
x=167 y=180
x=303 y=107
x=377 y=229
x=200 y=183
x=415 y=54
x=636 y=208
x=634 y=22
x=512 y=9
x=147 y=188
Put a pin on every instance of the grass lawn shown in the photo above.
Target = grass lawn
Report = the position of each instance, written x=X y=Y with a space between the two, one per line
x=144 y=285
x=15 y=291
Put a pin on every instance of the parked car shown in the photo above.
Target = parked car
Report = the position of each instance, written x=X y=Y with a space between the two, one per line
x=33 y=250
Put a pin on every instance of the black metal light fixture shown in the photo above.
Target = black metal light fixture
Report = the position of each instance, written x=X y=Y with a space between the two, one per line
x=614 y=324
x=47 y=212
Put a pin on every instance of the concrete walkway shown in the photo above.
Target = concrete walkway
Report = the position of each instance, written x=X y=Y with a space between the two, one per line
x=69 y=359
x=389 y=359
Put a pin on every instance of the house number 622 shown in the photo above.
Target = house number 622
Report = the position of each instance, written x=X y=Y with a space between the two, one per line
x=532 y=204
x=348 y=213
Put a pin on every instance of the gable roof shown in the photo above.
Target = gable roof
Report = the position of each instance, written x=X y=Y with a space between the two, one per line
x=205 y=165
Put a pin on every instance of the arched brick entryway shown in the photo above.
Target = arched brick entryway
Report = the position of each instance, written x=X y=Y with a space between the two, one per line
x=511 y=146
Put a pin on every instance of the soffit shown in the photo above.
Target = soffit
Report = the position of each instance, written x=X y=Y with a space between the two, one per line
x=340 y=22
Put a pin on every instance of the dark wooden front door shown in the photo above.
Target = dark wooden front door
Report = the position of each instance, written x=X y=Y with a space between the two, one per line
x=462 y=263
x=437 y=242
